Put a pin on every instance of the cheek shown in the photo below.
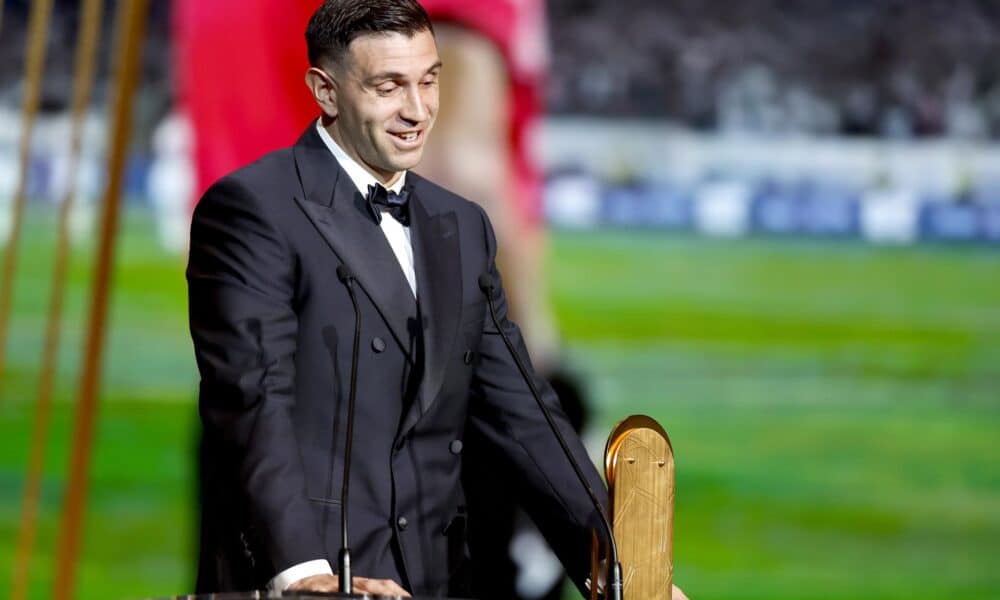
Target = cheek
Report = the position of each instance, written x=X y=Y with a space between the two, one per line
x=380 y=117
x=432 y=100
x=375 y=127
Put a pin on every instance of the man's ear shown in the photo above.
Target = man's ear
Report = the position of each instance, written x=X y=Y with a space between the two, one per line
x=324 y=90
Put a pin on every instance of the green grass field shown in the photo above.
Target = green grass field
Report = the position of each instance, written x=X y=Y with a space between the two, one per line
x=833 y=406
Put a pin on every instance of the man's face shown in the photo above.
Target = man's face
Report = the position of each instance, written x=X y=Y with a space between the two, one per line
x=386 y=100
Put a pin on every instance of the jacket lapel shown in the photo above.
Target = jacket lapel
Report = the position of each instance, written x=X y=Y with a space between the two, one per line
x=438 y=268
x=336 y=208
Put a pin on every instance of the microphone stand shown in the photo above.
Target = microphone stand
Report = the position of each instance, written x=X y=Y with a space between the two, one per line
x=614 y=586
x=344 y=556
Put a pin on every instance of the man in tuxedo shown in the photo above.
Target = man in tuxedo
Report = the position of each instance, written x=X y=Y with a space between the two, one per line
x=274 y=328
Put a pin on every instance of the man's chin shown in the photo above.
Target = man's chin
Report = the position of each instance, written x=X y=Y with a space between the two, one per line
x=388 y=169
x=406 y=161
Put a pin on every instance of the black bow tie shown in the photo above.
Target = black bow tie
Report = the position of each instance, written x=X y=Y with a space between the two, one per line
x=381 y=199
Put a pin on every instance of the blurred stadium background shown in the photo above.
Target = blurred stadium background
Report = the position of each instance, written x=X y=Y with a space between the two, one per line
x=776 y=230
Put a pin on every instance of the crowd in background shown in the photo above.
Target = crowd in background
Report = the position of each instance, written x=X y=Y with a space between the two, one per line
x=857 y=67
x=890 y=103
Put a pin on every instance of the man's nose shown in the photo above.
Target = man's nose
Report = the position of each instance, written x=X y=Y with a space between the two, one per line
x=415 y=105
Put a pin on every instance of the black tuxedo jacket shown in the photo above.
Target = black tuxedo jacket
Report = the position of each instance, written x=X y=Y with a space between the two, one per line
x=273 y=332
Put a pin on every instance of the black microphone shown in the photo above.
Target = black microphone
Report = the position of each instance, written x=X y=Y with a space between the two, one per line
x=615 y=567
x=344 y=557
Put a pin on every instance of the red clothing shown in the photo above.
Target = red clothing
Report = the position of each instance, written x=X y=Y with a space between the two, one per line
x=240 y=66
x=517 y=27
x=239 y=69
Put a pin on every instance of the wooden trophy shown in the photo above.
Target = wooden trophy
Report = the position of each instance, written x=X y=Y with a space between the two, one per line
x=639 y=465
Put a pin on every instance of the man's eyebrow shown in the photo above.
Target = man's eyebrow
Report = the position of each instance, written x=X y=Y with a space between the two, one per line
x=391 y=75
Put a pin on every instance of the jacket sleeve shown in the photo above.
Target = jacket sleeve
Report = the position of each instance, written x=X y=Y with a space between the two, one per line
x=505 y=416
x=240 y=293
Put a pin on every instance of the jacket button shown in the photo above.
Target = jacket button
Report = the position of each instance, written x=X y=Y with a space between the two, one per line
x=378 y=344
x=401 y=523
x=455 y=446
x=468 y=357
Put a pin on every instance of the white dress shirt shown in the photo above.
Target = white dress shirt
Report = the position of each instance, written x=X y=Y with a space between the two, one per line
x=398 y=237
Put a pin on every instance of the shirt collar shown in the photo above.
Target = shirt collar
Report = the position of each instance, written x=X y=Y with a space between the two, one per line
x=358 y=174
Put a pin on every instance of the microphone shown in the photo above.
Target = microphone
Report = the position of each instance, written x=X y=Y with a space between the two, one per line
x=614 y=566
x=344 y=557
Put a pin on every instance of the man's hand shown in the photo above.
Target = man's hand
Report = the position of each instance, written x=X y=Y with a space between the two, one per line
x=677 y=594
x=331 y=583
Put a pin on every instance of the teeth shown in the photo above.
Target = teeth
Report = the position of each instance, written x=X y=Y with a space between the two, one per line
x=409 y=136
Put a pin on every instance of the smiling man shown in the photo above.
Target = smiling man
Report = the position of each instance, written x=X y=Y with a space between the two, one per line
x=277 y=250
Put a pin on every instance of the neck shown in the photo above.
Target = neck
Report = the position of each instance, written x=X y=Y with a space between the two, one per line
x=386 y=178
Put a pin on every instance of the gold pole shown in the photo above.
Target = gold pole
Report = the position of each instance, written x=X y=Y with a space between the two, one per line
x=86 y=55
x=130 y=23
x=34 y=68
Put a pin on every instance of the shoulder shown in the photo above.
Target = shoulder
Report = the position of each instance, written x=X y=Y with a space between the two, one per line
x=473 y=222
x=438 y=199
x=258 y=184
x=274 y=170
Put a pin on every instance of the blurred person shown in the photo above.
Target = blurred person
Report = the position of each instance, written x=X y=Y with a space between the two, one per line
x=171 y=181
x=9 y=169
x=242 y=109
x=496 y=56
x=272 y=328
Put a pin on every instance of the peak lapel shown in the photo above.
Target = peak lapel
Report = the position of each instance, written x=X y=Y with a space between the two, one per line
x=335 y=207
x=438 y=267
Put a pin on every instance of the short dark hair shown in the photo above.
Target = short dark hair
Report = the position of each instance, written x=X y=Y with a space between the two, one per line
x=336 y=23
